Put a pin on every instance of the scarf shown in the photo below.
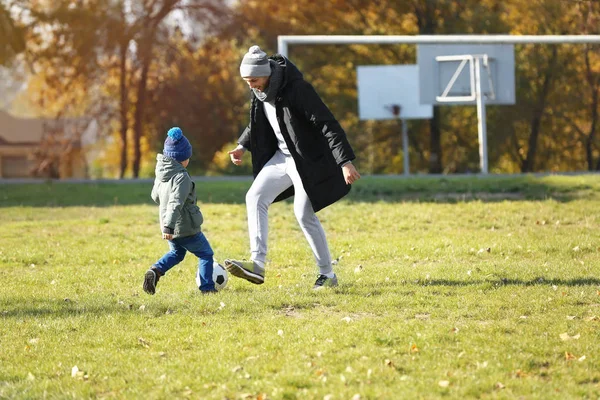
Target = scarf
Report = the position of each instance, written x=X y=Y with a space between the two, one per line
x=274 y=83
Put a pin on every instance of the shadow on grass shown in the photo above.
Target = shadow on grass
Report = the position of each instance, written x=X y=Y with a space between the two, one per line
x=42 y=307
x=538 y=281
x=389 y=189
x=408 y=287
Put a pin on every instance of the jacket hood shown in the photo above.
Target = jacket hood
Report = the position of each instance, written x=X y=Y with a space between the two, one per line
x=166 y=168
x=290 y=71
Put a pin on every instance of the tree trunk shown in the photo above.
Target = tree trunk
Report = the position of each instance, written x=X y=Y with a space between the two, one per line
x=123 y=108
x=426 y=21
x=528 y=163
x=139 y=114
x=435 y=146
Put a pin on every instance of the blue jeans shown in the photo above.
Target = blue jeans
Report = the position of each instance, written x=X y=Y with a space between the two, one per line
x=198 y=246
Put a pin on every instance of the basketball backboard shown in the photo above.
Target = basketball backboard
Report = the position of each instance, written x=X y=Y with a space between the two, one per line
x=390 y=92
x=447 y=73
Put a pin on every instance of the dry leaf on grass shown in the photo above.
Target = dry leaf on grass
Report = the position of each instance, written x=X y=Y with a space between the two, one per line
x=565 y=336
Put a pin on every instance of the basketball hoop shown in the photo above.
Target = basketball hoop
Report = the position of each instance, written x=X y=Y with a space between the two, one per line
x=395 y=109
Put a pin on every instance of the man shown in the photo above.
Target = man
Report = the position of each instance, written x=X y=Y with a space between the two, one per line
x=298 y=148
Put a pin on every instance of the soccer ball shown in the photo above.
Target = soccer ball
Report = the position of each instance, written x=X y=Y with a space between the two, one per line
x=219 y=276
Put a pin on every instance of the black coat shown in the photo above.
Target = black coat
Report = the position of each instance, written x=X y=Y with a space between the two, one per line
x=313 y=136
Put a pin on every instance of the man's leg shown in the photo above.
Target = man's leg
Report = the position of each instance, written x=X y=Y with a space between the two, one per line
x=270 y=182
x=310 y=225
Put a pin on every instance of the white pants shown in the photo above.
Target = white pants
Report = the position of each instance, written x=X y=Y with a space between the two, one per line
x=277 y=175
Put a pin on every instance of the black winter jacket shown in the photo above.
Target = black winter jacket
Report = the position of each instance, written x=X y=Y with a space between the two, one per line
x=313 y=136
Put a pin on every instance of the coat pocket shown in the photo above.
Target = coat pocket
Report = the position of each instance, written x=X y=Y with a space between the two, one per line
x=195 y=216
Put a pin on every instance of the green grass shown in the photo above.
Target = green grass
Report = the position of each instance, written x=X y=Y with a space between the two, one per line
x=449 y=288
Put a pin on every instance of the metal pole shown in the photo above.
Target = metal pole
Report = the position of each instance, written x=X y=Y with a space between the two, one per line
x=405 y=147
x=283 y=40
x=481 y=125
x=282 y=46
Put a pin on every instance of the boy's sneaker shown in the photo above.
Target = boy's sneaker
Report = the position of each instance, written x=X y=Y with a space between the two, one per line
x=323 y=281
x=247 y=270
x=151 y=280
x=207 y=292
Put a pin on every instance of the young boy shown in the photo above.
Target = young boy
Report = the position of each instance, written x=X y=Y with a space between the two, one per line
x=180 y=218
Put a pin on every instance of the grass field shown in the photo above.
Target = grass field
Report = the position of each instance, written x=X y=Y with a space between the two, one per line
x=459 y=287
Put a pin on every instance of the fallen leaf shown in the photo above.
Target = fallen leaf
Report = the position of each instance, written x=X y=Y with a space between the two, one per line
x=571 y=317
x=581 y=358
x=143 y=342
x=520 y=374
x=347 y=319
x=565 y=336
x=444 y=383
x=499 y=385
x=569 y=356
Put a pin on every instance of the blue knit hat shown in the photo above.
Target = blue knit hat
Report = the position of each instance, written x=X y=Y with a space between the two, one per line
x=177 y=146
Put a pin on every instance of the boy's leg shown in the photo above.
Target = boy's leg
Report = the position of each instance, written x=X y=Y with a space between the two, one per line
x=171 y=258
x=199 y=246
x=168 y=261
x=311 y=226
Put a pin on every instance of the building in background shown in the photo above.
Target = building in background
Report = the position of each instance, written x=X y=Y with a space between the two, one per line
x=55 y=149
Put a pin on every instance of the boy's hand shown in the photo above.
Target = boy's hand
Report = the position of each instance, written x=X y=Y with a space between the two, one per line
x=236 y=156
x=167 y=236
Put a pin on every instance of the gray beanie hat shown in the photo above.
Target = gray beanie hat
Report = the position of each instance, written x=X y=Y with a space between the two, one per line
x=255 y=64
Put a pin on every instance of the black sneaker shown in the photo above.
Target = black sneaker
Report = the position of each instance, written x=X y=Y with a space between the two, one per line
x=323 y=281
x=151 y=280
x=207 y=292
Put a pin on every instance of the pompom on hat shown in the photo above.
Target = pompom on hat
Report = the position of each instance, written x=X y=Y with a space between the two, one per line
x=255 y=64
x=177 y=146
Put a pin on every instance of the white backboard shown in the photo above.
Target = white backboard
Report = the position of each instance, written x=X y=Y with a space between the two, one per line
x=436 y=75
x=381 y=87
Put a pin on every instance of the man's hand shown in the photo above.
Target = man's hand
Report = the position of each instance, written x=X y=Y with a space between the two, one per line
x=167 y=236
x=350 y=173
x=236 y=156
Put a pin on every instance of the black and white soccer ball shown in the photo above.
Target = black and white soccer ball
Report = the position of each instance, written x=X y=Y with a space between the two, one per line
x=220 y=276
